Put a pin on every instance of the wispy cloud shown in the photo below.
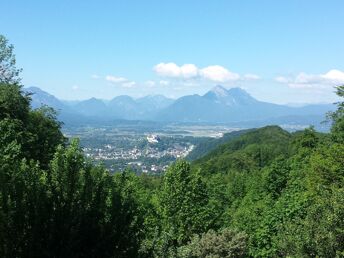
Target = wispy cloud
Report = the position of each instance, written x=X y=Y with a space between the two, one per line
x=281 y=79
x=129 y=84
x=115 y=79
x=250 y=76
x=312 y=81
x=95 y=76
x=120 y=81
x=75 y=87
x=150 y=83
x=164 y=83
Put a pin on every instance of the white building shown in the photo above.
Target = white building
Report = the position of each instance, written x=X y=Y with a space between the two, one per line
x=153 y=138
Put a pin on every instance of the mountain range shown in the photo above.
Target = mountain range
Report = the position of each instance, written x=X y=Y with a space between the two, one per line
x=219 y=105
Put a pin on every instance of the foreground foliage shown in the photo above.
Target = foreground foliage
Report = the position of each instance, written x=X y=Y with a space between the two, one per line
x=263 y=193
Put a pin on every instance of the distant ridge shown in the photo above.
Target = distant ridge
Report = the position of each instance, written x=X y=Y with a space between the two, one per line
x=233 y=105
x=219 y=105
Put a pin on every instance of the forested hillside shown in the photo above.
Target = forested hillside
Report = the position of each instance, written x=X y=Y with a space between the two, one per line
x=207 y=146
x=285 y=191
x=265 y=193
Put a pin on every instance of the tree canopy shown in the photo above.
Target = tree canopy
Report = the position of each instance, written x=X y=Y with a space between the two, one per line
x=8 y=71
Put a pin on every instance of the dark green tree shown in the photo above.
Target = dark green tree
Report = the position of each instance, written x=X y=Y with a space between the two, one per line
x=337 y=117
x=183 y=205
x=8 y=71
x=36 y=131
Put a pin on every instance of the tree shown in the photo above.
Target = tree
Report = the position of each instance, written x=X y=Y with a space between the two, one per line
x=72 y=209
x=53 y=201
x=225 y=244
x=14 y=104
x=183 y=206
x=337 y=117
x=43 y=133
x=36 y=131
x=8 y=71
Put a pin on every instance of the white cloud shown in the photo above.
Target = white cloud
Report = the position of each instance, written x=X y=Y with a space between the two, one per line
x=115 y=79
x=189 y=71
x=250 y=76
x=150 y=83
x=304 y=78
x=167 y=69
x=281 y=79
x=123 y=82
x=334 y=75
x=185 y=71
x=95 y=76
x=215 y=73
x=218 y=73
x=130 y=84
x=164 y=83
x=314 y=81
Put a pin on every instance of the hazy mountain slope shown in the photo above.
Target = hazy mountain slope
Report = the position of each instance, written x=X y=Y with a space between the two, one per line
x=154 y=102
x=193 y=108
x=143 y=108
x=40 y=98
x=123 y=107
x=65 y=112
x=150 y=105
x=92 y=107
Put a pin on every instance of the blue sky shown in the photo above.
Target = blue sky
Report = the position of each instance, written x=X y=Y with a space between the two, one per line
x=279 y=51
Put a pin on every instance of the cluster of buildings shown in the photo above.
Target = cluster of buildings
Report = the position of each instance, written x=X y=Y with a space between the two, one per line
x=141 y=159
x=146 y=168
x=176 y=151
